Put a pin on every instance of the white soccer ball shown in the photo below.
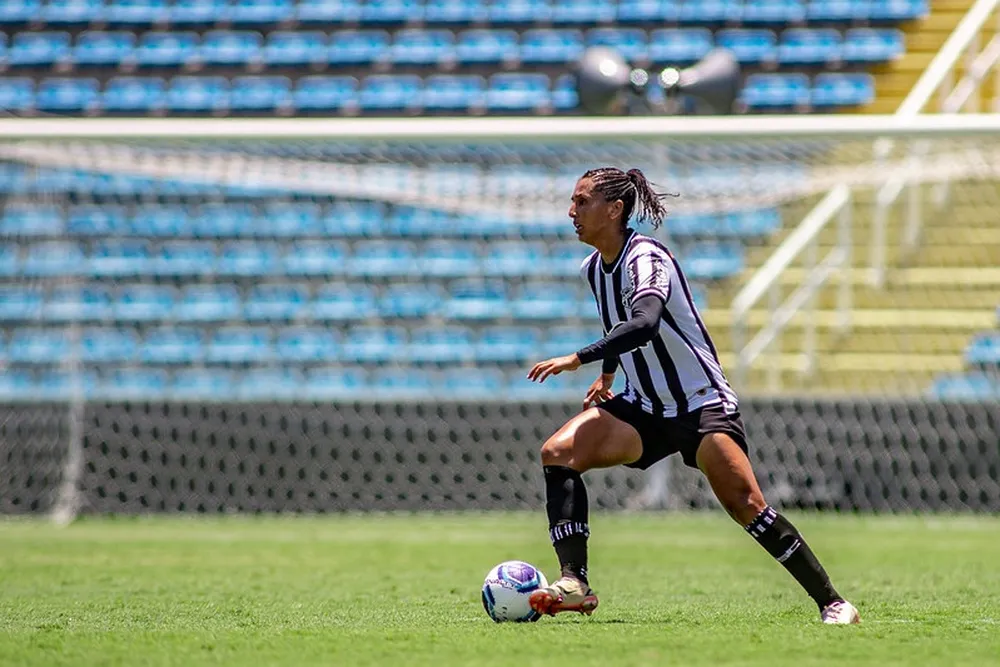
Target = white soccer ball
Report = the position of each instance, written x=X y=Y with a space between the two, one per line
x=506 y=591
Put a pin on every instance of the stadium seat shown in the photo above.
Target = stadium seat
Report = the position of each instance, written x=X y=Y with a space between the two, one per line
x=325 y=92
x=750 y=46
x=198 y=93
x=383 y=258
x=239 y=345
x=401 y=383
x=779 y=12
x=837 y=11
x=565 y=259
x=315 y=258
x=254 y=12
x=775 y=90
x=356 y=219
x=328 y=11
x=114 y=258
x=289 y=220
x=422 y=47
x=230 y=47
x=517 y=92
x=17 y=384
x=199 y=12
x=808 y=46
x=144 y=303
x=515 y=258
x=136 y=12
x=440 y=345
x=13 y=12
x=455 y=11
x=749 y=223
x=184 y=258
x=343 y=303
x=390 y=92
x=276 y=302
x=108 y=345
x=91 y=220
x=448 y=92
x=306 y=344
x=335 y=383
x=10 y=261
x=375 y=344
x=544 y=301
x=711 y=261
x=268 y=384
x=358 y=47
x=20 y=303
x=103 y=48
x=477 y=300
x=166 y=49
x=260 y=93
x=285 y=48
x=172 y=345
x=391 y=11
x=564 y=93
x=17 y=94
x=38 y=346
x=520 y=11
x=448 y=259
x=566 y=339
x=486 y=46
x=583 y=11
x=966 y=387
x=72 y=12
x=161 y=221
x=835 y=89
x=704 y=12
x=411 y=301
x=873 y=45
x=38 y=48
x=133 y=384
x=506 y=344
x=648 y=11
x=53 y=258
x=983 y=350
x=466 y=383
x=894 y=11
x=415 y=222
x=629 y=42
x=133 y=93
x=245 y=258
x=67 y=94
x=551 y=46
x=679 y=45
x=202 y=383
x=31 y=221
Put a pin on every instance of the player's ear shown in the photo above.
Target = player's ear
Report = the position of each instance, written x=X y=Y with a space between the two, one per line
x=616 y=210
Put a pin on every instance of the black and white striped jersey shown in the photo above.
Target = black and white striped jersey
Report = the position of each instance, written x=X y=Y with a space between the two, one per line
x=678 y=370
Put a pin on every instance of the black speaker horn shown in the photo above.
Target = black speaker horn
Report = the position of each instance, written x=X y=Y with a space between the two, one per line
x=713 y=82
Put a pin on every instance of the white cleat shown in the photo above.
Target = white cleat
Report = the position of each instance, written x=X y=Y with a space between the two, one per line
x=840 y=612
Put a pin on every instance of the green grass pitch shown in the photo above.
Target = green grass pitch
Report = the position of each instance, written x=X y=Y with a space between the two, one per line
x=684 y=589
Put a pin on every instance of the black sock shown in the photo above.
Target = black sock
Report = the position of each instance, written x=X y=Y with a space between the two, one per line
x=568 y=510
x=780 y=539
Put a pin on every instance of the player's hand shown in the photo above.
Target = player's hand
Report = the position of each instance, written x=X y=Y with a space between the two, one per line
x=553 y=366
x=600 y=390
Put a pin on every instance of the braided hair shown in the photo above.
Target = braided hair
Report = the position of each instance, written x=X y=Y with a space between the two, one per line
x=637 y=194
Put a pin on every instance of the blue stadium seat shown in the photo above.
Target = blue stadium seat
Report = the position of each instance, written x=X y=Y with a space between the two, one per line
x=53 y=258
x=306 y=344
x=17 y=94
x=894 y=11
x=103 y=48
x=328 y=11
x=679 y=45
x=38 y=48
x=144 y=303
x=391 y=11
x=382 y=258
x=267 y=384
x=465 y=383
x=72 y=12
x=166 y=49
x=260 y=93
x=389 y=91
x=199 y=12
x=873 y=45
x=172 y=345
x=455 y=11
x=230 y=47
x=62 y=94
x=358 y=47
x=449 y=92
x=276 y=302
x=449 y=259
x=415 y=222
x=240 y=345
x=315 y=258
x=19 y=303
x=693 y=225
x=10 y=262
x=287 y=47
x=565 y=258
x=983 y=350
x=184 y=258
x=343 y=303
x=56 y=385
x=422 y=47
x=509 y=91
x=630 y=42
x=108 y=345
x=477 y=300
x=648 y=11
x=71 y=302
x=114 y=258
x=413 y=301
x=335 y=383
x=202 y=384
x=583 y=11
x=325 y=92
x=542 y=45
x=749 y=223
x=38 y=346
x=245 y=258
x=712 y=261
x=544 y=301
x=134 y=93
x=750 y=46
x=486 y=46
x=966 y=387
x=136 y=12
x=520 y=11
x=359 y=219
x=838 y=11
x=13 y=12
x=807 y=46
x=31 y=221
x=763 y=91
x=161 y=221
x=375 y=344
x=440 y=345
x=566 y=339
x=254 y=12
x=289 y=220
x=402 y=383
x=515 y=258
x=198 y=93
x=564 y=93
x=835 y=89
x=506 y=344
x=16 y=384
x=133 y=384
x=709 y=11
x=779 y=12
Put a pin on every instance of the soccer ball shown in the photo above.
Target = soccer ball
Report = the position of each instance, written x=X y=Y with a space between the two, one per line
x=506 y=591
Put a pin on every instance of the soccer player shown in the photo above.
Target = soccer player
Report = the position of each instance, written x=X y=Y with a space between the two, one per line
x=676 y=397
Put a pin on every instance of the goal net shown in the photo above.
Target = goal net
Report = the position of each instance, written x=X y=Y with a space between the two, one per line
x=312 y=315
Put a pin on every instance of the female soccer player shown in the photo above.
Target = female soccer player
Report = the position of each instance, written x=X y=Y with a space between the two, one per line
x=676 y=397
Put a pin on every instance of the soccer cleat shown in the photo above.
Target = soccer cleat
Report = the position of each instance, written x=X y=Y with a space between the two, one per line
x=566 y=594
x=840 y=612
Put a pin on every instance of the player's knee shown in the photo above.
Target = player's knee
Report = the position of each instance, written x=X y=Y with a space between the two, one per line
x=558 y=451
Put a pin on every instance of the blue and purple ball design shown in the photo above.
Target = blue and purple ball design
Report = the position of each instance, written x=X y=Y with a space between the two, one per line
x=507 y=588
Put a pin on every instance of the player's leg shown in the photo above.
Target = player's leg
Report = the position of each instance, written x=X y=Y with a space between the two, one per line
x=728 y=470
x=592 y=439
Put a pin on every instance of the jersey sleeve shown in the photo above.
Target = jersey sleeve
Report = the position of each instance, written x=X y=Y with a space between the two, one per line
x=585 y=267
x=648 y=272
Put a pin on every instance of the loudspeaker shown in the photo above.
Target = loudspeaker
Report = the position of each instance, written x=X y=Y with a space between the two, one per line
x=713 y=82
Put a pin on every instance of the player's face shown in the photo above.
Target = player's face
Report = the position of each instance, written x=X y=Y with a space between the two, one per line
x=591 y=213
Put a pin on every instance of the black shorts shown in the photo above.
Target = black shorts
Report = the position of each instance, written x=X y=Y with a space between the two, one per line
x=663 y=436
